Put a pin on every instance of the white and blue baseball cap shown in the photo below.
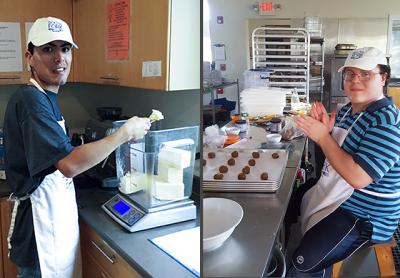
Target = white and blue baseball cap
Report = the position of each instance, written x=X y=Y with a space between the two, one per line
x=48 y=29
x=366 y=58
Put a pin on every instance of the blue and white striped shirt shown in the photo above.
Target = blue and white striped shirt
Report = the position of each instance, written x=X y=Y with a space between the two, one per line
x=374 y=143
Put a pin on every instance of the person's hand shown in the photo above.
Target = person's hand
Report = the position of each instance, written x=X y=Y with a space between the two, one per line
x=312 y=128
x=319 y=113
x=135 y=128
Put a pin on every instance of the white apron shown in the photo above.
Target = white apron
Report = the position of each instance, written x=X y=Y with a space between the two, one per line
x=55 y=221
x=329 y=192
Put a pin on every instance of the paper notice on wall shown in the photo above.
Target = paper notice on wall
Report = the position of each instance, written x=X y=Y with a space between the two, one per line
x=10 y=47
x=219 y=52
x=118 y=19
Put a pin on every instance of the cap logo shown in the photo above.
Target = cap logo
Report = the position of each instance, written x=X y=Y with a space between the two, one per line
x=357 y=55
x=54 y=26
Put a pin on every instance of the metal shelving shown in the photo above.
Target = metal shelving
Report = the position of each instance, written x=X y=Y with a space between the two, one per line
x=287 y=52
x=212 y=90
x=317 y=62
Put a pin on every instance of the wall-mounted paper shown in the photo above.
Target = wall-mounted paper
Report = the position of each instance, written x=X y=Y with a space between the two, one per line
x=10 y=47
x=219 y=52
x=118 y=18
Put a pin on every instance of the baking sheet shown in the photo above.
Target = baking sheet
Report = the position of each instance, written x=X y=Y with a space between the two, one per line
x=253 y=183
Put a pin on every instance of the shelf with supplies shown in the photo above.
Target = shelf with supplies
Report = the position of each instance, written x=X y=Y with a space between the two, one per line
x=209 y=88
x=317 y=62
x=285 y=51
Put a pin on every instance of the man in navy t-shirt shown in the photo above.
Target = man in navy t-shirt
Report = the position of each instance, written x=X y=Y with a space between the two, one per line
x=40 y=161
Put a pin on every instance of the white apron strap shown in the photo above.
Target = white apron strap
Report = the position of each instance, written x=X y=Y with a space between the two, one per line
x=13 y=216
x=36 y=84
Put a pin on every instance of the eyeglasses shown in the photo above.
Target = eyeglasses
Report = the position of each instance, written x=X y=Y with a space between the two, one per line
x=363 y=76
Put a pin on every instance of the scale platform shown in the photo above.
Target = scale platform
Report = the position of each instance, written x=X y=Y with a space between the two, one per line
x=127 y=212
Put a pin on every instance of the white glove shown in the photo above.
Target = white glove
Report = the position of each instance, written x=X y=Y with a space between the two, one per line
x=136 y=128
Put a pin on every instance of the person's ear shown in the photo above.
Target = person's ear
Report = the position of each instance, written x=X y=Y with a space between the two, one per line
x=28 y=57
x=384 y=78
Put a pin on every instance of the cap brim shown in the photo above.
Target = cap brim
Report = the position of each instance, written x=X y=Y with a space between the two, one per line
x=38 y=42
x=362 y=66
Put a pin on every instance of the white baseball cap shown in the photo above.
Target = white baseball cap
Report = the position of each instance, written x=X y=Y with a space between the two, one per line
x=366 y=58
x=48 y=29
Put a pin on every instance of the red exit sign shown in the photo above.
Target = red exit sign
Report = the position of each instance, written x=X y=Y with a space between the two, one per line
x=266 y=8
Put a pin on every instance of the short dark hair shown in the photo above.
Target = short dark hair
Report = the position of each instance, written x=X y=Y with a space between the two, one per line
x=30 y=48
x=385 y=69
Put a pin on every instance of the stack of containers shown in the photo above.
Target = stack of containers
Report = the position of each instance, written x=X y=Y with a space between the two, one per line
x=313 y=24
x=158 y=168
x=255 y=78
x=258 y=102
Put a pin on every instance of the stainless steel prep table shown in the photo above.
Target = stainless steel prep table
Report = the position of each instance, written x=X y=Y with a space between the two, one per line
x=246 y=253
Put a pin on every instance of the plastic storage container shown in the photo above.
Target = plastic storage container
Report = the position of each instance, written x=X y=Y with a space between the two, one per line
x=276 y=125
x=242 y=125
x=313 y=24
x=157 y=169
x=254 y=78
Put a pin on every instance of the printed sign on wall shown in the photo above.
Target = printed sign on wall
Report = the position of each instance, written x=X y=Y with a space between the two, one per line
x=10 y=47
x=118 y=19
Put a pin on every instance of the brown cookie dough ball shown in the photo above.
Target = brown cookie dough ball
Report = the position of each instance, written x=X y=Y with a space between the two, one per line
x=218 y=176
x=275 y=155
x=242 y=176
x=211 y=155
x=223 y=169
x=255 y=155
x=252 y=162
x=264 y=176
x=234 y=154
x=246 y=170
x=231 y=161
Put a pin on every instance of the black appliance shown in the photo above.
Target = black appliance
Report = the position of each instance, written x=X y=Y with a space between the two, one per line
x=102 y=174
x=337 y=95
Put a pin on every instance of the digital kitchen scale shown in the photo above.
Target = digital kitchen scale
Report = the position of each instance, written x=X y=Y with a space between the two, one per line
x=155 y=177
x=134 y=217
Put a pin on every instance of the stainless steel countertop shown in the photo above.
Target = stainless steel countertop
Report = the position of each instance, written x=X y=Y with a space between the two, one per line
x=246 y=253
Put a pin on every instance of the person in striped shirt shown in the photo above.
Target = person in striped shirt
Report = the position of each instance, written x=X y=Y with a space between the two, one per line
x=356 y=201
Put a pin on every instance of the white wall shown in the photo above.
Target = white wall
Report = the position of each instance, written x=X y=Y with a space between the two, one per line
x=344 y=21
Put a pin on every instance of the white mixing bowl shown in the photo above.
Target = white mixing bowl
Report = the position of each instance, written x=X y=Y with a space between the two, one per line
x=220 y=218
x=274 y=138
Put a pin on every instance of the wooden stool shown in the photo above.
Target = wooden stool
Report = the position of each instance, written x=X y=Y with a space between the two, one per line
x=384 y=259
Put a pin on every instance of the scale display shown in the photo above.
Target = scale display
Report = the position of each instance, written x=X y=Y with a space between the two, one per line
x=124 y=211
x=121 y=207
x=130 y=216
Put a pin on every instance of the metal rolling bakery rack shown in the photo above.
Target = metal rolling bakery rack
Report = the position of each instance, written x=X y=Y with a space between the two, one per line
x=286 y=51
